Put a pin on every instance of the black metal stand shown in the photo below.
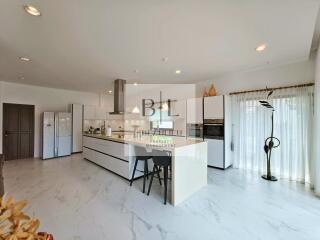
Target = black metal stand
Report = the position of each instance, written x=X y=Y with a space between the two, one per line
x=269 y=144
x=269 y=178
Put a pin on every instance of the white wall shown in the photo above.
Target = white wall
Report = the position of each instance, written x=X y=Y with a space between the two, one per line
x=179 y=92
x=284 y=75
x=316 y=130
x=48 y=99
x=44 y=99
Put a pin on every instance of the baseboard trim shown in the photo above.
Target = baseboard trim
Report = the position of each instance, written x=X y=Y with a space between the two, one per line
x=215 y=167
x=77 y=152
x=219 y=168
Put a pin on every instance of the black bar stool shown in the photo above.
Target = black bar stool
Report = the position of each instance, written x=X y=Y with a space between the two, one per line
x=142 y=155
x=161 y=159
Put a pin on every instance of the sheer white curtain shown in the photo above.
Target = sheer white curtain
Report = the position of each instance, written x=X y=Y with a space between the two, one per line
x=316 y=130
x=292 y=125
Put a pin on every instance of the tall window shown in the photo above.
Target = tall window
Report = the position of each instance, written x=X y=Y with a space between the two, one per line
x=292 y=125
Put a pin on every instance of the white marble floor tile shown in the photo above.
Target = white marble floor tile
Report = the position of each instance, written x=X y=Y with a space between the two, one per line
x=77 y=200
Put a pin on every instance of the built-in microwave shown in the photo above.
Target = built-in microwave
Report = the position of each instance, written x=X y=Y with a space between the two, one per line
x=213 y=129
x=195 y=130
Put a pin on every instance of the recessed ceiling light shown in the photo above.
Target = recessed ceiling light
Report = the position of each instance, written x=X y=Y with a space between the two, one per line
x=21 y=77
x=261 y=47
x=135 y=84
x=24 y=59
x=165 y=59
x=178 y=71
x=32 y=10
x=110 y=92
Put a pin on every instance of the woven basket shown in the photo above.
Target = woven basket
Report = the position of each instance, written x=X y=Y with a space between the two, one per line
x=46 y=235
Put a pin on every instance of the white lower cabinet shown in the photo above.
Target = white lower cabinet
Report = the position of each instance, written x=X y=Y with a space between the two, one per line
x=115 y=149
x=113 y=164
x=114 y=156
x=215 y=153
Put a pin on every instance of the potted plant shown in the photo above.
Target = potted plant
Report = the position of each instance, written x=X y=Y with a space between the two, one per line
x=16 y=225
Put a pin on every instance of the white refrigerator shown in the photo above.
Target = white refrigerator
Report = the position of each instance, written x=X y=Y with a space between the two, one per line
x=56 y=134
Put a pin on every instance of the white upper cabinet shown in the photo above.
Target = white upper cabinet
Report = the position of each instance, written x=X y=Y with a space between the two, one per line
x=93 y=112
x=89 y=112
x=213 y=107
x=101 y=113
x=194 y=111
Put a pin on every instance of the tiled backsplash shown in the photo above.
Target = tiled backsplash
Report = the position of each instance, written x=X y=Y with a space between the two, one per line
x=127 y=125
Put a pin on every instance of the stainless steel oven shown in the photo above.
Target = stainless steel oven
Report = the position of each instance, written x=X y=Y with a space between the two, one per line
x=195 y=130
x=213 y=129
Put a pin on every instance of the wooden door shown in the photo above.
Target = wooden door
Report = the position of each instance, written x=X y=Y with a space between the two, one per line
x=18 y=131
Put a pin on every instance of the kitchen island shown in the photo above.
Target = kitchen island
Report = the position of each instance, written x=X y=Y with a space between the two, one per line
x=117 y=154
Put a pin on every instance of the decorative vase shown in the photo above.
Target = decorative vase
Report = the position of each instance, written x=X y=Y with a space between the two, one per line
x=212 y=91
x=46 y=236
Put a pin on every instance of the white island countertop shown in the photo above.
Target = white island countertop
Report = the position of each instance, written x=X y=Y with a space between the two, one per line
x=152 y=141
x=117 y=154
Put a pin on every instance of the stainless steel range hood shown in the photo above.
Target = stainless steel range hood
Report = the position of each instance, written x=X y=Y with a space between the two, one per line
x=119 y=91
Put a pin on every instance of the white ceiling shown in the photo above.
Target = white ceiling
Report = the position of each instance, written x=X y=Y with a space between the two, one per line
x=85 y=45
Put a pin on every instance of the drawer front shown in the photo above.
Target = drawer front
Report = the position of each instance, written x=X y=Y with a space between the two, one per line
x=88 y=154
x=113 y=164
x=115 y=149
x=215 y=153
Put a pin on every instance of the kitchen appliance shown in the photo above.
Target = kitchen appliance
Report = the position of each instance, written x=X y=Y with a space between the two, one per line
x=109 y=131
x=213 y=134
x=119 y=102
x=213 y=129
x=56 y=134
x=195 y=130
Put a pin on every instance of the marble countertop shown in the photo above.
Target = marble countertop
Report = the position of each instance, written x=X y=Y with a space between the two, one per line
x=152 y=141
